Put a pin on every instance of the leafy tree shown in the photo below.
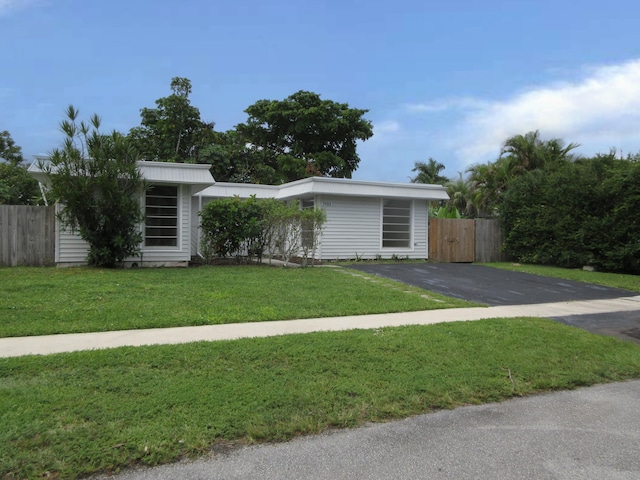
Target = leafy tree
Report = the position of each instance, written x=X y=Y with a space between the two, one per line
x=9 y=151
x=303 y=136
x=17 y=187
x=234 y=160
x=173 y=131
x=97 y=181
x=429 y=172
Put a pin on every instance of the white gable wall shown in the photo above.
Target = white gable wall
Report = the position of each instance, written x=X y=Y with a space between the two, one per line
x=72 y=250
x=354 y=229
x=182 y=252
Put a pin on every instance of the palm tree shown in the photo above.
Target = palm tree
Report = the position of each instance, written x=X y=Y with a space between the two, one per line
x=429 y=172
x=487 y=183
x=460 y=196
x=524 y=150
x=530 y=152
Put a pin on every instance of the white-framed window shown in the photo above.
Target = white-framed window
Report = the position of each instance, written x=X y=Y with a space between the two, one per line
x=161 y=211
x=307 y=230
x=396 y=223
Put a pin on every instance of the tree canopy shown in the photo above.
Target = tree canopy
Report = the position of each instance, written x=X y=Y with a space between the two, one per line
x=281 y=141
x=519 y=154
x=17 y=187
x=303 y=136
x=429 y=172
x=173 y=131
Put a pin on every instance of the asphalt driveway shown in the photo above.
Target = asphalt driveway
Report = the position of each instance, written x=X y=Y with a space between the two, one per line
x=494 y=287
x=490 y=286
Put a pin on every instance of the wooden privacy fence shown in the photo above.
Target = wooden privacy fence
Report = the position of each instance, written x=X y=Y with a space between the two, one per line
x=27 y=236
x=453 y=240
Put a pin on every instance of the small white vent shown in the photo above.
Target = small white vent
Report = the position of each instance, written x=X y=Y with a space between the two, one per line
x=326 y=204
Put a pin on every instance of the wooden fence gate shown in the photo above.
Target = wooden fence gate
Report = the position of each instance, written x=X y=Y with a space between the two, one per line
x=453 y=240
x=27 y=236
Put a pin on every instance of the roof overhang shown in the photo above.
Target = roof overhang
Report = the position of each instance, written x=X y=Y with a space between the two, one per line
x=197 y=176
x=328 y=186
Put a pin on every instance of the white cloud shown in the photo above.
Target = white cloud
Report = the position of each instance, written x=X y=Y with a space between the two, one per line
x=388 y=126
x=462 y=103
x=599 y=111
x=7 y=6
x=386 y=131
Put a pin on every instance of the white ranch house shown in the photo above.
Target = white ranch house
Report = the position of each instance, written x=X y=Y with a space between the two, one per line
x=364 y=219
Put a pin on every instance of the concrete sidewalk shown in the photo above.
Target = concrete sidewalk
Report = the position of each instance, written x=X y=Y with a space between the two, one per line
x=48 y=344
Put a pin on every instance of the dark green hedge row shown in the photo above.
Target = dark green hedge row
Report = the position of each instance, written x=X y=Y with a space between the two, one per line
x=585 y=212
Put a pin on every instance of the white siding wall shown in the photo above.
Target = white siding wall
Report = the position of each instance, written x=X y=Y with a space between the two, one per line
x=354 y=226
x=72 y=250
x=420 y=229
x=195 y=225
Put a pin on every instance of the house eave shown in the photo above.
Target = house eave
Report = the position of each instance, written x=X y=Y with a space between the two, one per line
x=328 y=186
x=197 y=176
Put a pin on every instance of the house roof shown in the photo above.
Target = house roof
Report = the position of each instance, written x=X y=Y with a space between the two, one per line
x=242 y=190
x=328 y=186
x=197 y=176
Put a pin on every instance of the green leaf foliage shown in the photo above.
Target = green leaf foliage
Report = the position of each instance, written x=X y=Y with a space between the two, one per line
x=429 y=172
x=234 y=227
x=9 y=151
x=173 y=131
x=96 y=179
x=246 y=228
x=520 y=154
x=17 y=187
x=584 y=213
x=303 y=136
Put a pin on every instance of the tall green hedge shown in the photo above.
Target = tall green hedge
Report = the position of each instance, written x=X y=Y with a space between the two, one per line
x=585 y=213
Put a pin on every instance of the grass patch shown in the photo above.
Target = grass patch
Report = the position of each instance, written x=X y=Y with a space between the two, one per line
x=39 y=301
x=78 y=413
x=614 y=280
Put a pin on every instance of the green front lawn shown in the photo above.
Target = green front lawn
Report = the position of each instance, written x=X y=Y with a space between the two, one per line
x=39 y=301
x=74 y=414
x=615 y=280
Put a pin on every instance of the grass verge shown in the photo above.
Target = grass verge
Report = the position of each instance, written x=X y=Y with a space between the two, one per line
x=78 y=413
x=614 y=280
x=40 y=301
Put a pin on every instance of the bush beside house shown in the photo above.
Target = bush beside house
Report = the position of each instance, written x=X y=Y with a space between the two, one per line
x=250 y=228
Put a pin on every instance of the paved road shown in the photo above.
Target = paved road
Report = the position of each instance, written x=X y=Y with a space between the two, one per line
x=495 y=287
x=591 y=433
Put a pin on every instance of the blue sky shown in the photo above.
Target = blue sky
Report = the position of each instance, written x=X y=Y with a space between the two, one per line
x=444 y=79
